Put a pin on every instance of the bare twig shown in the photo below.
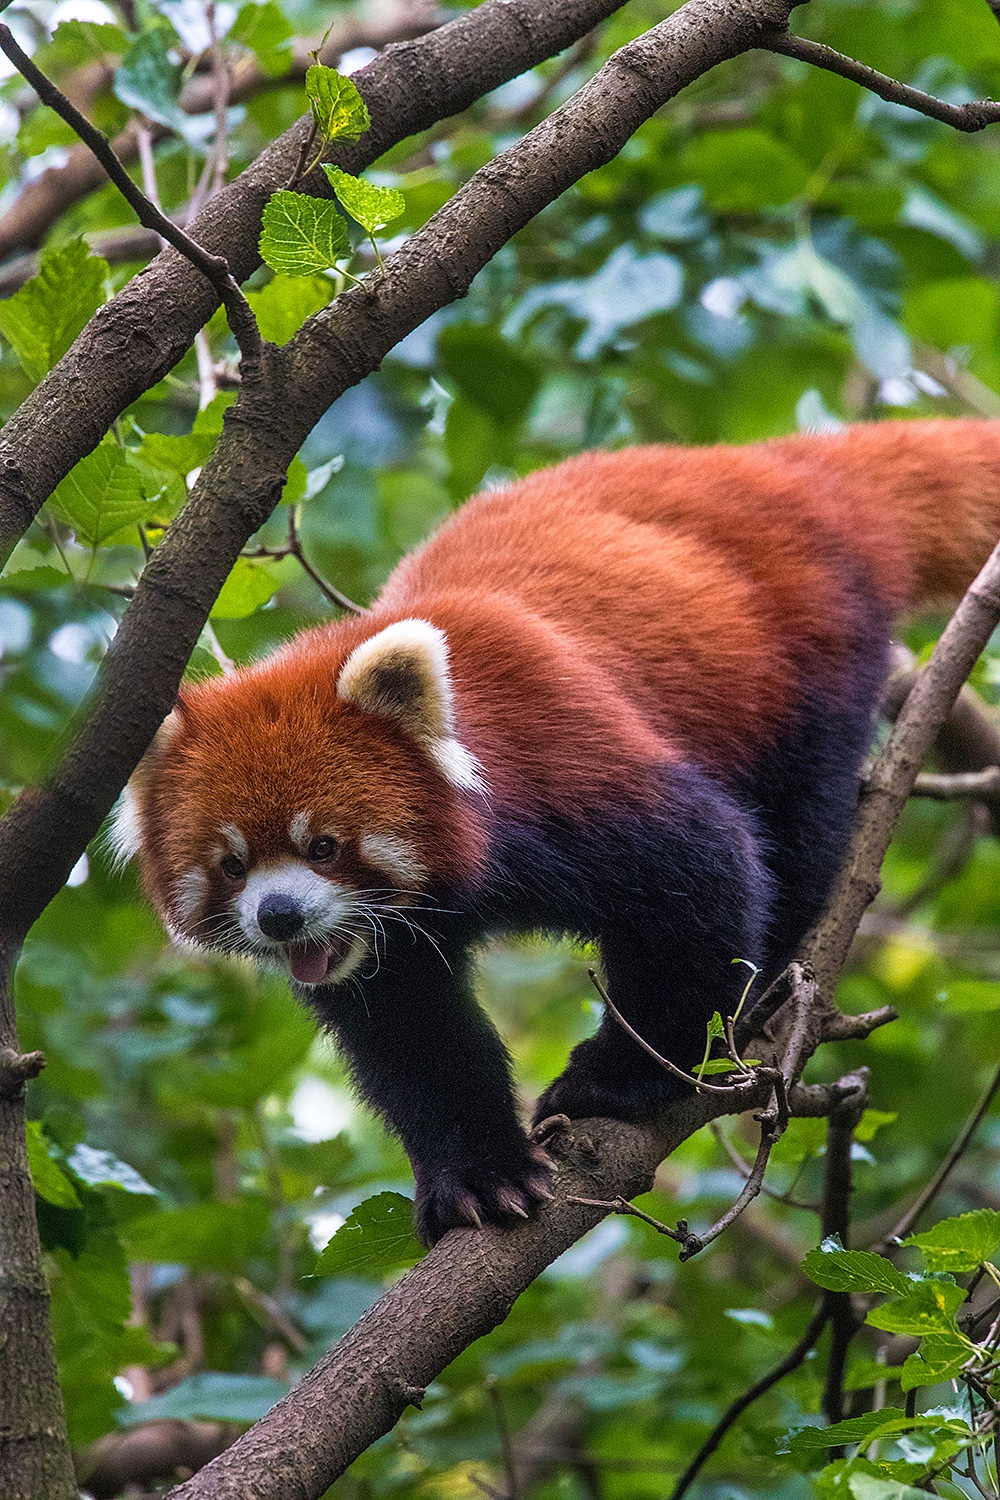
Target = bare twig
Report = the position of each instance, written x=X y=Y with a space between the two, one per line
x=293 y=548
x=971 y=117
x=954 y=1156
x=836 y=1220
x=732 y=1414
x=214 y=268
x=958 y=786
x=695 y=1083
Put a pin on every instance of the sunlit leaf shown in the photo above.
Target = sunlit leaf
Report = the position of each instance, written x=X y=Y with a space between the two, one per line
x=302 y=235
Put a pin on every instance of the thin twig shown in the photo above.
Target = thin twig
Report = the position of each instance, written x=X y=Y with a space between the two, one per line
x=791 y=1361
x=214 y=268
x=959 y=785
x=744 y=1168
x=293 y=548
x=504 y=1433
x=941 y=1176
x=971 y=117
x=836 y=1220
x=695 y=1083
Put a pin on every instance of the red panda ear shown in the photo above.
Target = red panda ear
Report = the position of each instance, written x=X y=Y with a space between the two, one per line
x=124 y=835
x=403 y=673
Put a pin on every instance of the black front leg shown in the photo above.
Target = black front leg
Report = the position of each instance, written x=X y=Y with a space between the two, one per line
x=425 y=1056
x=680 y=896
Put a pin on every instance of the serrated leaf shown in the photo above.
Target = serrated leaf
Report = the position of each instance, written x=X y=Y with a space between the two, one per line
x=148 y=80
x=839 y=1270
x=50 y=1181
x=961 y=1243
x=100 y=495
x=928 y=1307
x=249 y=585
x=265 y=31
x=939 y=1357
x=175 y=453
x=301 y=235
x=338 y=109
x=42 y=319
x=373 y=207
x=377 y=1238
x=283 y=305
x=864 y=1429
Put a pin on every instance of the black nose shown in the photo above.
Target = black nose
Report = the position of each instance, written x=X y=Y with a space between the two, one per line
x=279 y=916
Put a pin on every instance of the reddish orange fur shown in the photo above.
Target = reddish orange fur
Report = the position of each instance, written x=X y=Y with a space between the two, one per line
x=611 y=613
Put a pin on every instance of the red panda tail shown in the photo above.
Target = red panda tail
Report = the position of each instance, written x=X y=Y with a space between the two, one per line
x=921 y=501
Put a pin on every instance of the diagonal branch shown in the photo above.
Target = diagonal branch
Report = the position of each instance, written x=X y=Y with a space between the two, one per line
x=407 y=88
x=976 y=115
x=215 y=268
x=47 y=828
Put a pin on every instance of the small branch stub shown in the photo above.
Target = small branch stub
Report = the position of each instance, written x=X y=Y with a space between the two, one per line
x=17 y=1069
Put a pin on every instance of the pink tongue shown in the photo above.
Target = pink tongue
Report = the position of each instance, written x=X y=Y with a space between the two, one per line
x=309 y=961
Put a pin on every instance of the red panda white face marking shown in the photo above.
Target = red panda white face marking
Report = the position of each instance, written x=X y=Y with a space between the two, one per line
x=301 y=922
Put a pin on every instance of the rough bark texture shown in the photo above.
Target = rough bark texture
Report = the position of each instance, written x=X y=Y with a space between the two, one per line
x=48 y=827
x=927 y=707
x=34 y=1455
x=144 y=331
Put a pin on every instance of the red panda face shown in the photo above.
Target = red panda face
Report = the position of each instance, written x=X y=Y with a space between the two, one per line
x=289 y=813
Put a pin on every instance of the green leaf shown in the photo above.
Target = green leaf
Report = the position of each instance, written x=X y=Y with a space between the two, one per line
x=264 y=29
x=302 y=235
x=840 y=1270
x=175 y=453
x=869 y=1487
x=928 y=1307
x=210 y=418
x=725 y=1065
x=51 y=1182
x=212 y=1236
x=377 y=1238
x=864 y=1429
x=939 y=1357
x=149 y=81
x=373 y=207
x=863 y=1373
x=100 y=495
x=489 y=371
x=248 y=586
x=212 y=1397
x=42 y=319
x=283 y=305
x=742 y=171
x=962 y=1243
x=338 y=109
x=871 y=1122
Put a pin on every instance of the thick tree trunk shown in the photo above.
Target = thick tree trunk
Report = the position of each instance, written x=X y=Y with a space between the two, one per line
x=34 y=1453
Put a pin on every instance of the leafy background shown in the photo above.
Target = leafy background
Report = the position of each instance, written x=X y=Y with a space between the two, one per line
x=775 y=250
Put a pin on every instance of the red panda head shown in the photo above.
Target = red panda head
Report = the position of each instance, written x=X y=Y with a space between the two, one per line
x=287 y=812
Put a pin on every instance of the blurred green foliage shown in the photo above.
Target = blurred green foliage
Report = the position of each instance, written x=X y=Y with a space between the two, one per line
x=775 y=249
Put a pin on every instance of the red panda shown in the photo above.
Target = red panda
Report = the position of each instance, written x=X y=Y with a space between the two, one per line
x=625 y=698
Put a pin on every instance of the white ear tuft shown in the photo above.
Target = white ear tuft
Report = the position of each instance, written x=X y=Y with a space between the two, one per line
x=124 y=833
x=403 y=673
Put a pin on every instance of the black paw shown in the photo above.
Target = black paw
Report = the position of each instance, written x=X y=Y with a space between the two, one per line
x=481 y=1191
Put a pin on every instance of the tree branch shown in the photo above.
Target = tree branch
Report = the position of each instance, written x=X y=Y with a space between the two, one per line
x=971 y=117
x=47 y=828
x=215 y=268
x=407 y=88
x=56 y=190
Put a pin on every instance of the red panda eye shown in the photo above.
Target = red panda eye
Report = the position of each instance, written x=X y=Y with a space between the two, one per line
x=233 y=867
x=322 y=849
